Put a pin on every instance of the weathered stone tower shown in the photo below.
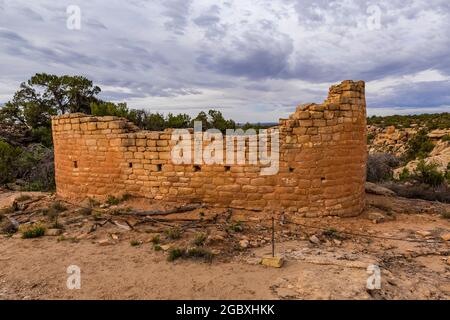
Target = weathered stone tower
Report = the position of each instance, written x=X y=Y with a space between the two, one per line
x=322 y=161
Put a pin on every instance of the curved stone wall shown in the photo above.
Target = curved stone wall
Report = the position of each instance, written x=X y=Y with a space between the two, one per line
x=321 y=169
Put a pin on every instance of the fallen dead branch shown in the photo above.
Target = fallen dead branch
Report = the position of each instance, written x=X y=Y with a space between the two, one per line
x=164 y=212
x=98 y=224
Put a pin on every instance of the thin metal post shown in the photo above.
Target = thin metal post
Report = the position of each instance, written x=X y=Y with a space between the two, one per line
x=273 y=237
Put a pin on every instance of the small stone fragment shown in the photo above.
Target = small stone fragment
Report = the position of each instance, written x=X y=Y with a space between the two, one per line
x=275 y=262
x=423 y=233
x=53 y=232
x=244 y=243
x=314 y=239
x=446 y=237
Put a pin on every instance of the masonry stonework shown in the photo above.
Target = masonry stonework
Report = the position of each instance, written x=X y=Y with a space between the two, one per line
x=322 y=160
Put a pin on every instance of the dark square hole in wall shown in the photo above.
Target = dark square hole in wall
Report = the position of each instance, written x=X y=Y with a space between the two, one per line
x=227 y=168
x=291 y=169
x=75 y=164
x=197 y=168
x=130 y=165
x=322 y=179
x=158 y=167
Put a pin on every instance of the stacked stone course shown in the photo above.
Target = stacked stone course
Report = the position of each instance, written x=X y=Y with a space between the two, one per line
x=321 y=162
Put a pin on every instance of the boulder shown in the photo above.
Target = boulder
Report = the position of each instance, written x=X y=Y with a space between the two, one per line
x=379 y=190
x=8 y=225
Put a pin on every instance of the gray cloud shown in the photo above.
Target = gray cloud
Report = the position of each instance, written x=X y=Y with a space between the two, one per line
x=176 y=12
x=262 y=57
x=414 y=95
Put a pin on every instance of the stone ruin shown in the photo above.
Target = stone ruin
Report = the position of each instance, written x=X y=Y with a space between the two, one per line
x=322 y=162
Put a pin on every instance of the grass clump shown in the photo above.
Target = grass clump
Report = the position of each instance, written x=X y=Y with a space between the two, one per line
x=332 y=233
x=155 y=239
x=93 y=202
x=197 y=252
x=135 y=243
x=58 y=206
x=113 y=201
x=174 y=254
x=173 y=233
x=157 y=247
x=445 y=215
x=236 y=227
x=33 y=231
x=200 y=239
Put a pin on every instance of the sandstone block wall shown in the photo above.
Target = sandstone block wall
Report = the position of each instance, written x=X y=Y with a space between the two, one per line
x=322 y=158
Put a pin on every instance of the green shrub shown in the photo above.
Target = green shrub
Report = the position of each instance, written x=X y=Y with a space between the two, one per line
x=157 y=247
x=419 y=146
x=446 y=138
x=34 y=231
x=35 y=166
x=445 y=215
x=428 y=174
x=9 y=156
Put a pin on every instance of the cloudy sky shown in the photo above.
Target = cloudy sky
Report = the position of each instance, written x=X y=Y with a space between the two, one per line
x=253 y=59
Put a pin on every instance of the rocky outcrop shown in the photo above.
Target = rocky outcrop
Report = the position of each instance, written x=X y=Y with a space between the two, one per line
x=394 y=140
x=439 y=156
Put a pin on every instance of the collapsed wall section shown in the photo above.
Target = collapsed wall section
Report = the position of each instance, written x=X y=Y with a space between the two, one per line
x=321 y=168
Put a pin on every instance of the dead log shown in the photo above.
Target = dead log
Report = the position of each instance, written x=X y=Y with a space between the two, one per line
x=164 y=212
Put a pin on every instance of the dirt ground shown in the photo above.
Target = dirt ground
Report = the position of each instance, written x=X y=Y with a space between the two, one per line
x=324 y=258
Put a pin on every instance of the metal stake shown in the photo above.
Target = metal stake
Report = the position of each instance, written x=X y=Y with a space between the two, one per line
x=273 y=237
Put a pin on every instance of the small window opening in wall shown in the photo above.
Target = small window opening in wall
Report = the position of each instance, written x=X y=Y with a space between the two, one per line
x=197 y=168
x=227 y=168
x=158 y=167
x=130 y=165
x=322 y=179
x=291 y=169
x=75 y=164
